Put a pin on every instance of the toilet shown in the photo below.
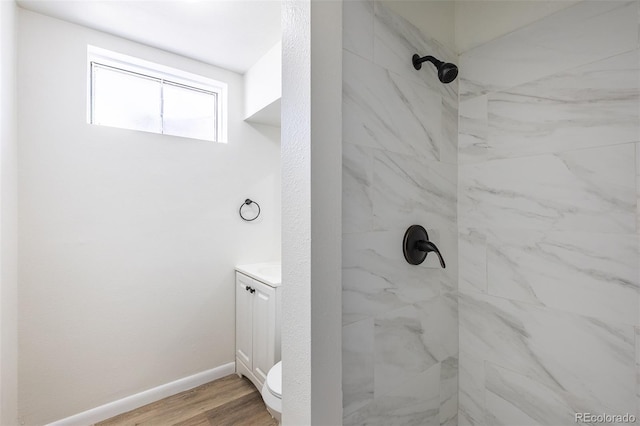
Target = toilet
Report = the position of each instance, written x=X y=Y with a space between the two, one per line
x=272 y=391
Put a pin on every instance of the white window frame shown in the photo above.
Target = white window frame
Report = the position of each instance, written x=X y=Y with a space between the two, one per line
x=130 y=64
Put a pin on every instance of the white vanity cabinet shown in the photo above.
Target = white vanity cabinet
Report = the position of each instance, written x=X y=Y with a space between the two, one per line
x=257 y=325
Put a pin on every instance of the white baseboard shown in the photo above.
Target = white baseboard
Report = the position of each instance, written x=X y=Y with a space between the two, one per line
x=137 y=400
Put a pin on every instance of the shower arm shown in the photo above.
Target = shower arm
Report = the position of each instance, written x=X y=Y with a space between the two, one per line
x=417 y=61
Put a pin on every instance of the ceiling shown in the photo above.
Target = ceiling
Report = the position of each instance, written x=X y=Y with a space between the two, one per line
x=231 y=34
x=234 y=34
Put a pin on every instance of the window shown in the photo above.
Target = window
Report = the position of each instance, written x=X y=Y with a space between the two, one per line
x=130 y=93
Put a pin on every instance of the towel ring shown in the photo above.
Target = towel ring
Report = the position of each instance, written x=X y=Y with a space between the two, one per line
x=248 y=202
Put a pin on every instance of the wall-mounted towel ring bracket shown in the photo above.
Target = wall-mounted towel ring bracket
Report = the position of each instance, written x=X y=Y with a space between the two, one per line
x=248 y=202
x=416 y=246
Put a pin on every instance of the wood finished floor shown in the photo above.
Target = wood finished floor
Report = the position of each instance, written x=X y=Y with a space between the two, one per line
x=227 y=401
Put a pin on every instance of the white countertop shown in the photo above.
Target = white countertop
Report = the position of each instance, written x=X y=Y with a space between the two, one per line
x=269 y=273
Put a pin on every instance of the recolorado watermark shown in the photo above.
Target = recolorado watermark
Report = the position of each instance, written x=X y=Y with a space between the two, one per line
x=605 y=418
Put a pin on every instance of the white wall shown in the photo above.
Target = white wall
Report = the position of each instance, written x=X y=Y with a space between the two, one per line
x=549 y=262
x=477 y=22
x=311 y=187
x=400 y=326
x=263 y=83
x=435 y=18
x=8 y=217
x=127 y=239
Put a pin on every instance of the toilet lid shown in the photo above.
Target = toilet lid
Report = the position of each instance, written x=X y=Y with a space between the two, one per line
x=274 y=380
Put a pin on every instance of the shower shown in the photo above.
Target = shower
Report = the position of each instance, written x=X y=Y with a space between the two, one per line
x=530 y=299
x=447 y=72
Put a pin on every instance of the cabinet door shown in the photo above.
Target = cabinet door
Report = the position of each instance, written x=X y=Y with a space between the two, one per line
x=264 y=321
x=244 y=320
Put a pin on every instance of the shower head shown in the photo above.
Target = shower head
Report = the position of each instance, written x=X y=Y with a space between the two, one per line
x=447 y=72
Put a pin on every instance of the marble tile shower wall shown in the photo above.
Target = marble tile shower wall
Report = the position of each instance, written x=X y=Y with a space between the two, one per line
x=548 y=200
x=400 y=329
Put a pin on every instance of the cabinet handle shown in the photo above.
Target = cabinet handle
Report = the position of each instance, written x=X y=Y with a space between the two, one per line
x=253 y=290
x=247 y=288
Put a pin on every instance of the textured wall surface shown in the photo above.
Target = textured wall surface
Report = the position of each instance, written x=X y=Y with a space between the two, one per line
x=547 y=209
x=311 y=188
x=296 y=214
x=400 y=331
